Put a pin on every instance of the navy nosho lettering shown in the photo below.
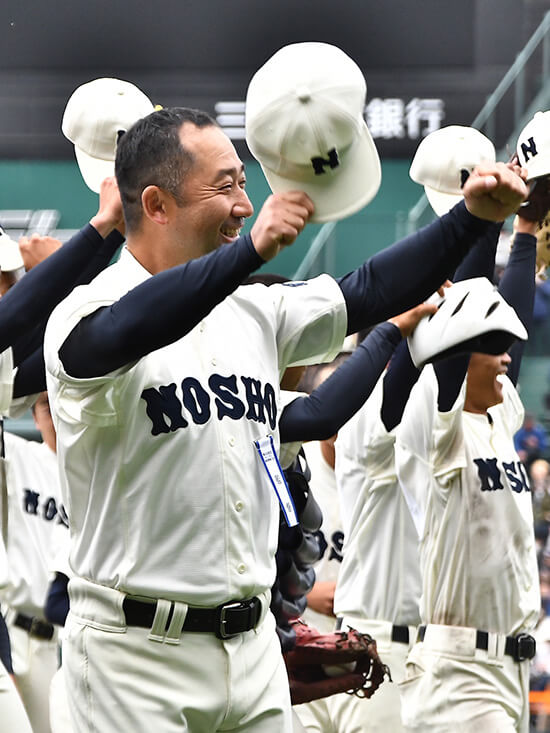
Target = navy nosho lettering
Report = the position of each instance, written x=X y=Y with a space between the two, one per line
x=490 y=475
x=50 y=509
x=196 y=400
x=166 y=410
x=226 y=401
x=163 y=402
x=337 y=540
x=30 y=501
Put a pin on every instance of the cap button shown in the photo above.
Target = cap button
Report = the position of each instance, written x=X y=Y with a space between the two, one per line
x=303 y=93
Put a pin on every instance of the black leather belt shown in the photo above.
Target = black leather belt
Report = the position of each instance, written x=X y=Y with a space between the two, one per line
x=224 y=621
x=34 y=626
x=398 y=633
x=520 y=647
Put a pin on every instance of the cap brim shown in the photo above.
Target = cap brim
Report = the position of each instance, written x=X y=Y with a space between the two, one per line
x=441 y=202
x=94 y=170
x=340 y=191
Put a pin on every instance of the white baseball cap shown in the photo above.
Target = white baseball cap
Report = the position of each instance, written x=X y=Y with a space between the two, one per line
x=10 y=255
x=95 y=115
x=305 y=126
x=443 y=161
x=533 y=147
x=471 y=316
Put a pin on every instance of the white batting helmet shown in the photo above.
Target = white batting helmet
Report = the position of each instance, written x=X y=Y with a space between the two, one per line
x=471 y=316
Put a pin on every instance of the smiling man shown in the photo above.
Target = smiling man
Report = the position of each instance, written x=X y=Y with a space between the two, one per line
x=164 y=383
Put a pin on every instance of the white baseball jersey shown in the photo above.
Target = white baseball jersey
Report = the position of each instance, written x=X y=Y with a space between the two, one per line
x=166 y=494
x=36 y=516
x=331 y=536
x=471 y=499
x=380 y=574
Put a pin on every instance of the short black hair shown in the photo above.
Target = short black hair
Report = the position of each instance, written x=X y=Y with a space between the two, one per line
x=150 y=153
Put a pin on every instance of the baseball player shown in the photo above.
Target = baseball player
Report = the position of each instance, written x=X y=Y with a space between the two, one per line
x=455 y=457
x=379 y=584
x=35 y=509
x=12 y=711
x=163 y=376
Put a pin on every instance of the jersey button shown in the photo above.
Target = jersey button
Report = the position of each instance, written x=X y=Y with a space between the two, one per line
x=201 y=327
x=213 y=362
x=231 y=441
x=239 y=506
x=241 y=567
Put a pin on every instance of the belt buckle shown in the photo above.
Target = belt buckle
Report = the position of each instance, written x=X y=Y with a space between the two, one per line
x=38 y=628
x=526 y=647
x=222 y=620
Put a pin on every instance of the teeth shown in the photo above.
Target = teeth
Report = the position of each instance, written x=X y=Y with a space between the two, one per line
x=230 y=232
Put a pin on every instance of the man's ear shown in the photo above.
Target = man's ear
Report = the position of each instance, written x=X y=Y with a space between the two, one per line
x=155 y=204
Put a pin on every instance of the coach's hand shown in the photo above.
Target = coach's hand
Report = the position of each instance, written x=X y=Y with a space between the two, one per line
x=281 y=219
x=109 y=215
x=495 y=191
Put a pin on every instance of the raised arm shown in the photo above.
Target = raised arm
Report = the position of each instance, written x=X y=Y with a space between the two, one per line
x=31 y=300
x=320 y=415
x=517 y=285
x=407 y=273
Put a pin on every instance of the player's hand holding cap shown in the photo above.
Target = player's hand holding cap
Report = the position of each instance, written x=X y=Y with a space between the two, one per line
x=305 y=126
x=96 y=114
x=471 y=316
x=533 y=152
x=444 y=160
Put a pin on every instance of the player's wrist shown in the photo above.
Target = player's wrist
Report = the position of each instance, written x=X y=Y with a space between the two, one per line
x=103 y=225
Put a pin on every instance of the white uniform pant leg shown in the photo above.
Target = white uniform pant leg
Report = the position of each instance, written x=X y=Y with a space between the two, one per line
x=60 y=721
x=380 y=713
x=12 y=713
x=118 y=679
x=315 y=716
x=35 y=662
x=449 y=694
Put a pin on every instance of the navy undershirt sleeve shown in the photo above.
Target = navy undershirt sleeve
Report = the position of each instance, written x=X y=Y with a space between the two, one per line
x=31 y=301
x=5 y=647
x=57 y=601
x=399 y=379
x=320 y=415
x=405 y=274
x=31 y=375
x=157 y=312
x=517 y=287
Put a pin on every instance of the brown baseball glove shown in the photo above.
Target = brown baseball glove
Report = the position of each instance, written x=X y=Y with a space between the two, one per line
x=543 y=246
x=326 y=664
x=536 y=206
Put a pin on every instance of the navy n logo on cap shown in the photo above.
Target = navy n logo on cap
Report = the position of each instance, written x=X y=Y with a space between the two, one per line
x=531 y=148
x=464 y=175
x=319 y=163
